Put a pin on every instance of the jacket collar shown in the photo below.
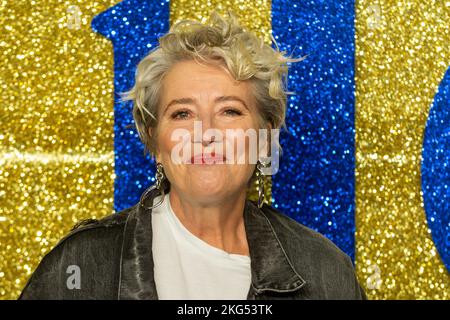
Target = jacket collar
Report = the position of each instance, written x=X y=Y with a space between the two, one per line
x=271 y=269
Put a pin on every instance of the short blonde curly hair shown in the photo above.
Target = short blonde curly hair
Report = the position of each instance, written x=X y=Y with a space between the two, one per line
x=239 y=52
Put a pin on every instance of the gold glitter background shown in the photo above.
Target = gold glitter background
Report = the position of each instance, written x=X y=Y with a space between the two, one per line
x=56 y=142
x=402 y=53
x=56 y=138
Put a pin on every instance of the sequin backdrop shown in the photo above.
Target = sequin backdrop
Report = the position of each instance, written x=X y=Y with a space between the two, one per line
x=367 y=142
x=56 y=137
x=402 y=54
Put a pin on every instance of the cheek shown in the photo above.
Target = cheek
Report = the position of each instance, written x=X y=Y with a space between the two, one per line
x=163 y=144
x=242 y=146
x=165 y=141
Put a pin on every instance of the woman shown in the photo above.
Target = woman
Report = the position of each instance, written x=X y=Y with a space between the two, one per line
x=199 y=101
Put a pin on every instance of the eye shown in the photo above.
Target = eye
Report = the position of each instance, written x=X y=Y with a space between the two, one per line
x=180 y=115
x=232 y=112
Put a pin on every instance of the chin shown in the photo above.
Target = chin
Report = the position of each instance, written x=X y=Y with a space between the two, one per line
x=210 y=184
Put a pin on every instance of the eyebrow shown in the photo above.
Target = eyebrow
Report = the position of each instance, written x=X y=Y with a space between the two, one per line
x=192 y=101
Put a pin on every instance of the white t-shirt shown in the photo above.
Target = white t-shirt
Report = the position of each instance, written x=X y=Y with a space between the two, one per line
x=186 y=267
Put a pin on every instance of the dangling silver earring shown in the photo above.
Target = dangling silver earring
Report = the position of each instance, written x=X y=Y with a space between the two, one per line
x=262 y=163
x=159 y=176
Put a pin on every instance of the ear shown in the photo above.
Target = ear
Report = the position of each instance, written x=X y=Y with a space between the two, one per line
x=150 y=131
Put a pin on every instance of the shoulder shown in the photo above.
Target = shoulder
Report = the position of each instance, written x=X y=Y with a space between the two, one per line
x=102 y=235
x=327 y=270
x=93 y=246
x=93 y=238
x=296 y=234
x=108 y=223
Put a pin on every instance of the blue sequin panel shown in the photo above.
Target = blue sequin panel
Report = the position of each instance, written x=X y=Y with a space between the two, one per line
x=436 y=170
x=316 y=181
x=134 y=27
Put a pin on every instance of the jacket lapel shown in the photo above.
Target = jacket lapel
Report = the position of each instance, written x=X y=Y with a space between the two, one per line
x=271 y=268
x=136 y=280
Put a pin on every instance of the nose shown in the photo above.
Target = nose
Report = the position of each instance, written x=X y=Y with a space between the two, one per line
x=207 y=126
x=206 y=141
x=207 y=121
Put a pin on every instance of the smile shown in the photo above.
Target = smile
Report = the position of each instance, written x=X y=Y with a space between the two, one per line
x=207 y=158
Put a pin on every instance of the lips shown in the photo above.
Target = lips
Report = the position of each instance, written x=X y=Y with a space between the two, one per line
x=208 y=158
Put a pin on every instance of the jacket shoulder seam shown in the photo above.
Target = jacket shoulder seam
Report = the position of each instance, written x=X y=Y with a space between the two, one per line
x=112 y=220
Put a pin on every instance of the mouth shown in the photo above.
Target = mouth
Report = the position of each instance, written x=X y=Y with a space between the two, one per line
x=207 y=158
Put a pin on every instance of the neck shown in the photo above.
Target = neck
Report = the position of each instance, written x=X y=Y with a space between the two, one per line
x=219 y=223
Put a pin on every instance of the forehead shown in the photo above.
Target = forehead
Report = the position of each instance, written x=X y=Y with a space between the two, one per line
x=191 y=79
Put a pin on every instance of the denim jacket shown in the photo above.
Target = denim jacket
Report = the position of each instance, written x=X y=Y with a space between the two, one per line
x=111 y=258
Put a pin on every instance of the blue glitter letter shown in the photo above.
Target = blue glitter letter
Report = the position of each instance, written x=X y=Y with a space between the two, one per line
x=316 y=182
x=134 y=27
x=436 y=170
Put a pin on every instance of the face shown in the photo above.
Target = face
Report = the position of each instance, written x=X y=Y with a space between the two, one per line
x=205 y=99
